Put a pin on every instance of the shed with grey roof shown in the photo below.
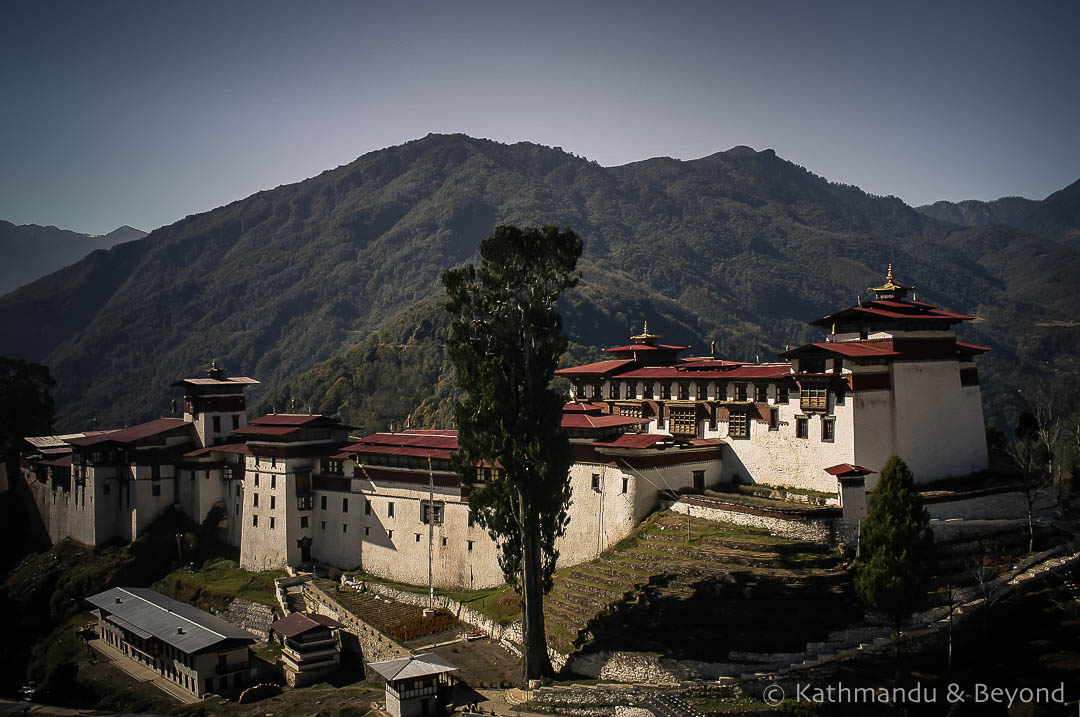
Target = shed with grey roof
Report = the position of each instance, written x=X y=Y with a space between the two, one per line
x=416 y=685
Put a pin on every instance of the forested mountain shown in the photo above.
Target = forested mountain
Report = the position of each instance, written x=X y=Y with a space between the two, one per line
x=741 y=246
x=1056 y=217
x=31 y=251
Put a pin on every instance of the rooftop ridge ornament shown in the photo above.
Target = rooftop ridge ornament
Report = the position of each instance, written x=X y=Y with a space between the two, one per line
x=890 y=289
x=215 y=372
x=645 y=337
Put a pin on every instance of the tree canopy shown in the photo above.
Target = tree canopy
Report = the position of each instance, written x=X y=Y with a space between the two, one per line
x=505 y=345
x=26 y=404
x=896 y=546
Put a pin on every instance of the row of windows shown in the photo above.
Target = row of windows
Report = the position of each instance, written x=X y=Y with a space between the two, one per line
x=683 y=391
x=596 y=482
x=390 y=534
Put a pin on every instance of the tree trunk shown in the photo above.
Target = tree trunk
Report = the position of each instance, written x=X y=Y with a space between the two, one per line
x=535 y=663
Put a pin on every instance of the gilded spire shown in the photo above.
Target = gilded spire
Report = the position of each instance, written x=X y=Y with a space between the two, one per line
x=645 y=337
x=890 y=289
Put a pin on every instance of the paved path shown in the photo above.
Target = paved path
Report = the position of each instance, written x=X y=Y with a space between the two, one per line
x=141 y=673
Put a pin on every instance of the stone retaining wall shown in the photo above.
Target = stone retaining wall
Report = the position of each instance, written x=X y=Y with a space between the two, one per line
x=798 y=527
x=252 y=616
x=358 y=635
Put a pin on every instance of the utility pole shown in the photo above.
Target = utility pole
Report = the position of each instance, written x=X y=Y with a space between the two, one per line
x=431 y=536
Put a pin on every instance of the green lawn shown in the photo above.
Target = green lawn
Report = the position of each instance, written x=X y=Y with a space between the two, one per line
x=220 y=581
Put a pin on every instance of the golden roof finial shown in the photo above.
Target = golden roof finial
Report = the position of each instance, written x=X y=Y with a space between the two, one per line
x=645 y=336
x=890 y=289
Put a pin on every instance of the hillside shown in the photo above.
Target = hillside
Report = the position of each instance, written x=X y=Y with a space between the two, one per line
x=741 y=246
x=31 y=251
x=1057 y=217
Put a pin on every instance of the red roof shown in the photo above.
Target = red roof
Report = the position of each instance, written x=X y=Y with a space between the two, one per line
x=240 y=448
x=298 y=623
x=433 y=431
x=848 y=469
x=856 y=349
x=446 y=440
x=584 y=420
x=895 y=310
x=647 y=347
x=971 y=348
x=694 y=362
x=632 y=440
x=236 y=381
x=416 y=451
x=254 y=429
x=132 y=434
x=680 y=371
x=285 y=419
x=62 y=462
x=595 y=369
x=583 y=407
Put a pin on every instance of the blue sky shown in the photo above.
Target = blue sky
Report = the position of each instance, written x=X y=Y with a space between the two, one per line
x=143 y=112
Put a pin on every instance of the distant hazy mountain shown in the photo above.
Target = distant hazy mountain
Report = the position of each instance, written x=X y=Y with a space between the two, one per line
x=741 y=246
x=1056 y=217
x=30 y=251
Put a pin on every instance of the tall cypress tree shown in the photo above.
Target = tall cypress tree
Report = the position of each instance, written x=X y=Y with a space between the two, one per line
x=896 y=546
x=505 y=345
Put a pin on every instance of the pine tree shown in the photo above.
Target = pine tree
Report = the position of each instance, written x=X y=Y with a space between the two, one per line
x=505 y=345
x=896 y=545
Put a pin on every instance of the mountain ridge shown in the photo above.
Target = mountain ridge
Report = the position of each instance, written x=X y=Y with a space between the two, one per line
x=32 y=251
x=740 y=246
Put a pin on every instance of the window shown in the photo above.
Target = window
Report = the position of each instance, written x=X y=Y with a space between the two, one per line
x=254 y=521
x=613 y=389
x=781 y=394
x=630 y=411
x=256 y=480
x=273 y=461
x=648 y=393
x=390 y=510
x=739 y=423
x=828 y=429
x=273 y=502
x=802 y=427
x=740 y=392
x=427 y=512
x=596 y=481
x=470 y=518
x=254 y=500
x=367 y=530
x=774 y=419
x=814 y=398
x=237 y=511
x=761 y=393
x=344 y=527
x=217 y=424
x=684 y=421
x=699 y=480
x=322 y=502
x=631 y=389
x=367 y=507
x=273 y=482
x=625 y=483
x=323 y=525
x=665 y=391
x=444 y=542
x=597 y=391
x=344 y=505
x=470 y=545
x=333 y=466
x=303 y=521
x=390 y=534
x=155 y=489
x=235 y=422
x=684 y=392
x=271 y=522
x=702 y=391
x=237 y=490
x=417 y=537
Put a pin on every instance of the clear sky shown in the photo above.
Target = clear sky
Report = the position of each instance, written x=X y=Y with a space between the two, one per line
x=142 y=112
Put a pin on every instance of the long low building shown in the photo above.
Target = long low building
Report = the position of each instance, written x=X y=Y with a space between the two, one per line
x=292 y=489
x=198 y=652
